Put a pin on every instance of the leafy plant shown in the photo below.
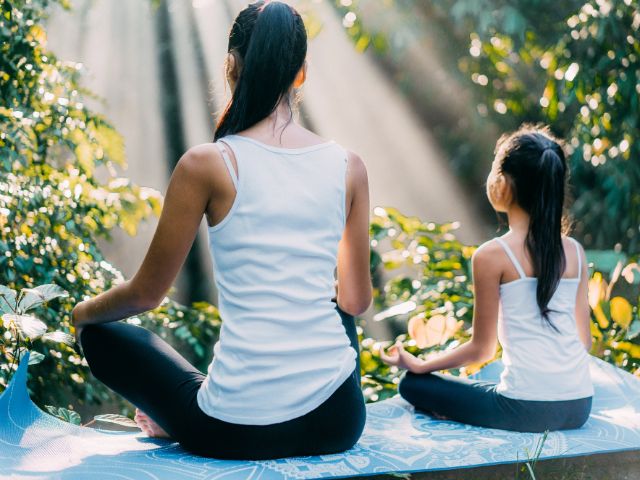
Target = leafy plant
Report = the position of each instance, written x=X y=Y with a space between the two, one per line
x=422 y=287
x=116 y=420
x=615 y=325
x=64 y=414
x=532 y=459
x=22 y=329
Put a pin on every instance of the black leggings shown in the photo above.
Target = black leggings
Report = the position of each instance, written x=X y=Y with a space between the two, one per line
x=476 y=402
x=152 y=375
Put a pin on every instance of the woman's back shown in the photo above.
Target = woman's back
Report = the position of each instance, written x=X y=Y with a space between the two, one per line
x=285 y=364
x=541 y=363
x=274 y=256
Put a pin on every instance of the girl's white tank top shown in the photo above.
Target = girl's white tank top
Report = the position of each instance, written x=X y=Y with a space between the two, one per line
x=540 y=363
x=282 y=349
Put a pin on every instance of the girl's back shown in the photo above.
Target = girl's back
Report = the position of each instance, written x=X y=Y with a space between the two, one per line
x=541 y=363
x=274 y=256
x=530 y=294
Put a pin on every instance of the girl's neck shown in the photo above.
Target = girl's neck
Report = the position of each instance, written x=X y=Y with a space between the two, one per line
x=518 y=220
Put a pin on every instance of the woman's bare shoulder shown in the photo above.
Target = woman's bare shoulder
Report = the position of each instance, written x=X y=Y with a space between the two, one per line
x=204 y=162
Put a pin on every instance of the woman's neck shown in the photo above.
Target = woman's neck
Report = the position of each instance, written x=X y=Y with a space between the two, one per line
x=273 y=125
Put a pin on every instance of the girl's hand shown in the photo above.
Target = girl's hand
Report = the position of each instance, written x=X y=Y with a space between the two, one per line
x=401 y=358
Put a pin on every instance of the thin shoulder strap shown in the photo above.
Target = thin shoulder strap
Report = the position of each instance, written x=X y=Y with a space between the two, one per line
x=513 y=258
x=227 y=161
x=579 y=255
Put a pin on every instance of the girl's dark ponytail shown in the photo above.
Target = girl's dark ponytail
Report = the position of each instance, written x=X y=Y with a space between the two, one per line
x=536 y=164
x=544 y=239
x=271 y=41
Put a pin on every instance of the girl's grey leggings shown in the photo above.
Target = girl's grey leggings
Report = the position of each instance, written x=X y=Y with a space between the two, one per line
x=477 y=403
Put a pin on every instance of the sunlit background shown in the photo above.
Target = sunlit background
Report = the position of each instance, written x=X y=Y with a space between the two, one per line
x=421 y=90
x=159 y=69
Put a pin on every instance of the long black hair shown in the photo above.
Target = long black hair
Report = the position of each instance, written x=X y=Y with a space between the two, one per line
x=533 y=160
x=269 y=41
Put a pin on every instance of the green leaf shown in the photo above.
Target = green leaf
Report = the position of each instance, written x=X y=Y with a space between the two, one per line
x=7 y=299
x=27 y=325
x=32 y=297
x=633 y=331
x=64 y=414
x=604 y=260
x=112 y=142
x=59 y=337
x=116 y=419
x=35 y=357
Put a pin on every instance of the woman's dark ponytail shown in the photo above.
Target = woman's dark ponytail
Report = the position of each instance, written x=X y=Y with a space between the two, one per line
x=270 y=40
x=536 y=165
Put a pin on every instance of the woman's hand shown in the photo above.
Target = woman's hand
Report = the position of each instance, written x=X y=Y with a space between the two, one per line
x=401 y=358
x=77 y=318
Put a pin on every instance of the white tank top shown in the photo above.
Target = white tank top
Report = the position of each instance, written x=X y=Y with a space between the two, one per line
x=540 y=363
x=282 y=349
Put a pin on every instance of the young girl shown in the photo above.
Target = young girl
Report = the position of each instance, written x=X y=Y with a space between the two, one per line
x=531 y=292
x=285 y=208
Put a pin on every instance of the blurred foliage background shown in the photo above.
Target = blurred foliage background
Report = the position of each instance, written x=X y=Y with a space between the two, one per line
x=572 y=64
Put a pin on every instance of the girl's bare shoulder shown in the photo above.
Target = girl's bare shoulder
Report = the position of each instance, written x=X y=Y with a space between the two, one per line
x=488 y=261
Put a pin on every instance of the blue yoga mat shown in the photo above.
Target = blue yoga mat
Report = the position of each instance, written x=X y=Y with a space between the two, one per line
x=37 y=445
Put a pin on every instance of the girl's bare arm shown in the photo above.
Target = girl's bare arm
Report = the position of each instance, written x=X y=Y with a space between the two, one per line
x=487 y=273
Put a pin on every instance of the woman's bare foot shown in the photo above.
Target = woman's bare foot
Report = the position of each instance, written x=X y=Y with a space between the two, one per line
x=148 y=426
x=439 y=417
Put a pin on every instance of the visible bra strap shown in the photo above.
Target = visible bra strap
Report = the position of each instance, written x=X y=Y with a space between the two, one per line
x=513 y=258
x=575 y=242
x=227 y=160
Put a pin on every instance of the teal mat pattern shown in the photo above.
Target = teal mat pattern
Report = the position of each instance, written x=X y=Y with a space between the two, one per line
x=36 y=445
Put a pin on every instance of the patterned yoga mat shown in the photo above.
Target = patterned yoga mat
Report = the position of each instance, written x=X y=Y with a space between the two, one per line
x=36 y=445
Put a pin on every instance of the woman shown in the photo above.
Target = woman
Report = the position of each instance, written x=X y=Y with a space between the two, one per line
x=285 y=208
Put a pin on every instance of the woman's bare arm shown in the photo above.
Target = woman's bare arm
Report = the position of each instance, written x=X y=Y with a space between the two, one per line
x=184 y=205
x=354 y=277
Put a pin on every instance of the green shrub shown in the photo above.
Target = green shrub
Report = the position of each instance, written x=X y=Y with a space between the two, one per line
x=615 y=328
x=22 y=328
x=422 y=287
x=59 y=191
